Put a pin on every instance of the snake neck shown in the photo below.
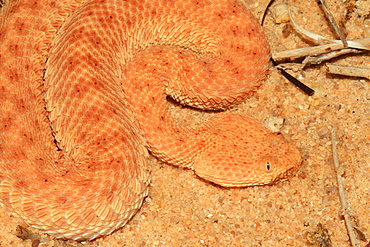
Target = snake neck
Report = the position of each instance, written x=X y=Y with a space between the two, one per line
x=151 y=76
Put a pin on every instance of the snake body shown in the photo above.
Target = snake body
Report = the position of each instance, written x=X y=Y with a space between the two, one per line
x=83 y=87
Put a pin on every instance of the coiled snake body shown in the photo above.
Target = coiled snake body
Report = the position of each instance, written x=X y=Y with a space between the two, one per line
x=83 y=89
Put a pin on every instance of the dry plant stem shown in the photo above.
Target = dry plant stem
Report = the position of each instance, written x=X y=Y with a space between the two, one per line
x=332 y=22
x=307 y=90
x=349 y=71
x=318 y=60
x=341 y=192
x=313 y=51
x=320 y=40
x=324 y=45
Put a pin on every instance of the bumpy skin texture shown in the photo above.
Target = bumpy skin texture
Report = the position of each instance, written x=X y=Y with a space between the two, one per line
x=83 y=89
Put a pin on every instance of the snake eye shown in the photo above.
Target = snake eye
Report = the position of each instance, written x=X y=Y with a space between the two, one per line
x=268 y=165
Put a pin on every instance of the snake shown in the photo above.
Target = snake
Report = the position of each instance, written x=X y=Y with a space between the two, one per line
x=84 y=102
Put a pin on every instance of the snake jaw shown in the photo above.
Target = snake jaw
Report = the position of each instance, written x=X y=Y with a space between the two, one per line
x=285 y=176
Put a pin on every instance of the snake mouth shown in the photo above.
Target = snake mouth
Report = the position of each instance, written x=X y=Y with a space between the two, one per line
x=285 y=175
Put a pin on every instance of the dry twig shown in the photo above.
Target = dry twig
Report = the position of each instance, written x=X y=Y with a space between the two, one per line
x=349 y=71
x=326 y=50
x=333 y=23
x=341 y=192
x=291 y=55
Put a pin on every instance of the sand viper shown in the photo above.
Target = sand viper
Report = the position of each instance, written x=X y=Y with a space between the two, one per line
x=83 y=87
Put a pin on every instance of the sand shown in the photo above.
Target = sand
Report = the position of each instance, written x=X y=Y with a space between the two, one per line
x=184 y=210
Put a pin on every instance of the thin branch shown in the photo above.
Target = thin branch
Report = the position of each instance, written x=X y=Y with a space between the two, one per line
x=318 y=39
x=291 y=55
x=341 y=192
x=319 y=59
x=333 y=23
x=349 y=71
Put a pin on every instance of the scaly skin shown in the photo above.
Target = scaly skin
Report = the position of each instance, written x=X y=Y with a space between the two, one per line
x=83 y=91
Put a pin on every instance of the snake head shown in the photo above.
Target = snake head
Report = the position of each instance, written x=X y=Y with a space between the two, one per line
x=242 y=152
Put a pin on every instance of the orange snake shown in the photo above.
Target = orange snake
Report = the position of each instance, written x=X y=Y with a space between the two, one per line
x=83 y=89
